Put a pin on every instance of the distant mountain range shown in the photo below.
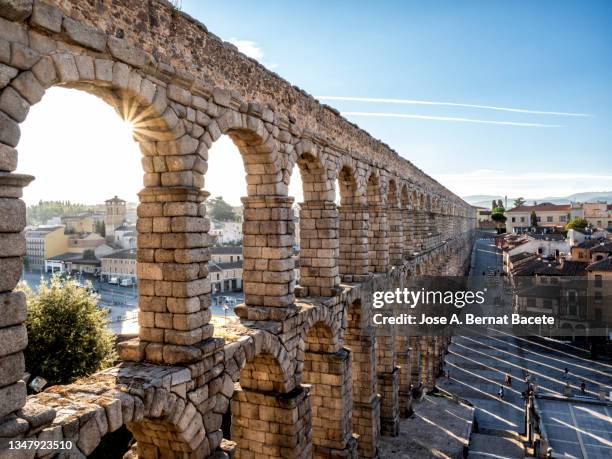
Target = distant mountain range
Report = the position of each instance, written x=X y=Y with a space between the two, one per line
x=484 y=200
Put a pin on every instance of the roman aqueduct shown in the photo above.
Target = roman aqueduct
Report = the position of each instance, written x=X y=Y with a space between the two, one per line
x=304 y=374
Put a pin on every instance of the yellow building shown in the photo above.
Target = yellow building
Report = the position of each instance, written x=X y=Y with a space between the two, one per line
x=43 y=243
x=81 y=244
x=79 y=223
x=225 y=269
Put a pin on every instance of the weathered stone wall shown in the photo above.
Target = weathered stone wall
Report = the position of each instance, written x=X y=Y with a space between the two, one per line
x=305 y=370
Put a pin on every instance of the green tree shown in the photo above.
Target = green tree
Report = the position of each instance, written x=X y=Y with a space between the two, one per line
x=100 y=228
x=500 y=203
x=221 y=211
x=577 y=223
x=498 y=216
x=493 y=204
x=67 y=332
x=89 y=254
x=519 y=202
x=534 y=219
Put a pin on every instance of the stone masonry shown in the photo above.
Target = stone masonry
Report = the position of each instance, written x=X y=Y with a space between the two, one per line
x=306 y=374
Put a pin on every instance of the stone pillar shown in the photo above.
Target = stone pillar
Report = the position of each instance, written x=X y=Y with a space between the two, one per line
x=409 y=233
x=428 y=362
x=271 y=425
x=420 y=231
x=173 y=281
x=13 y=333
x=353 y=262
x=319 y=248
x=415 y=361
x=387 y=374
x=366 y=402
x=329 y=375
x=405 y=375
x=396 y=236
x=378 y=238
x=268 y=268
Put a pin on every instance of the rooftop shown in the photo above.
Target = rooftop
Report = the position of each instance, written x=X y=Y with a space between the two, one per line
x=127 y=254
x=543 y=207
x=602 y=265
x=226 y=250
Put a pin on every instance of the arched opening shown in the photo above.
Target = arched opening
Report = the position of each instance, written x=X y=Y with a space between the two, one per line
x=268 y=272
x=353 y=229
x=327 y=370
x=318 y=225
x=378 y=229
x=226 y=184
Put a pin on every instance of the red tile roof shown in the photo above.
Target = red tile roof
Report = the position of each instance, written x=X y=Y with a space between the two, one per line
x=543 y=207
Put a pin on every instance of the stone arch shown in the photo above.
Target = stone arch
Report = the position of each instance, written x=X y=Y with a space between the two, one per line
x=172 y=162
x=318 y=224
x=179 y=420
x=353 y=226
x=265 y=398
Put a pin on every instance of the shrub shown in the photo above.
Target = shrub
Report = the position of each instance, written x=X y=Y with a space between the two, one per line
x=67 y=332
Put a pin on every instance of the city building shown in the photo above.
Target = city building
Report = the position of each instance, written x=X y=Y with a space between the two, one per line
x=225 y=276
x=226 y=232
x=79 y=224
x=225 y=269
x=90 y=241
x=598 y=214
x=225 y=254
x=120 y=265
x=70 y=262
x=43 y=243
x=125 y=236
x=115 y=215
x=482 y=214
x=600 y=294
x=548 y=216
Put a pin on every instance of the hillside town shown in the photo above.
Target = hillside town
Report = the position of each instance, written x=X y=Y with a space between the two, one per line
x=558 y=258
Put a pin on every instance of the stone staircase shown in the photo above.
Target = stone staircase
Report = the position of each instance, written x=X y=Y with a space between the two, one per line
x=496 y=445
x=477 y=366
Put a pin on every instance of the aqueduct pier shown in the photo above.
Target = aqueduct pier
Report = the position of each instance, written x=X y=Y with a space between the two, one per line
x=306 y=375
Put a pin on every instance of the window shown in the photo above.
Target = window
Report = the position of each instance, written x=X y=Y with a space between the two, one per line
x=513 y=219
x=531 y=302
x=540 y=250
x=549 y=219
x=571 y=296
x=598 y=280
x=562 y=218
x=522 y=219
x=539 y=219
x=598 y=297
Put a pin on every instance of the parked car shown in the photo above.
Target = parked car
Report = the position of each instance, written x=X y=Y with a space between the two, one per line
x=126 y=282
x=113 y=280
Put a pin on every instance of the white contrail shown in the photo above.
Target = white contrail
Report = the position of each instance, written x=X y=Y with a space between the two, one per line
x=448 y=104
x=450 y=118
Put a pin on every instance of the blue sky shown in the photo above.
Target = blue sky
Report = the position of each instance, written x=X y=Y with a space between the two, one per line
x=546 y=56
x=552 y=56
